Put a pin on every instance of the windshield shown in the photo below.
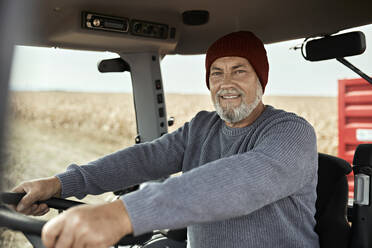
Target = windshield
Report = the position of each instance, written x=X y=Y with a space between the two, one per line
x=63 y=111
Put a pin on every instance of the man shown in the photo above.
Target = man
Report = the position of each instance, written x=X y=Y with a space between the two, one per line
x=249 y=171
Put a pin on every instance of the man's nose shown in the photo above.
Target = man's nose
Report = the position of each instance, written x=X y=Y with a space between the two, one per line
x=227 y=81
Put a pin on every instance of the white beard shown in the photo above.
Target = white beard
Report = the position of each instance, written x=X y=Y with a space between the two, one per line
x=232 y=114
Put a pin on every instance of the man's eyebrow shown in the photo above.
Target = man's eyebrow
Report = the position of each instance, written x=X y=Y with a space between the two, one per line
x=216 y=68
x=238 y=66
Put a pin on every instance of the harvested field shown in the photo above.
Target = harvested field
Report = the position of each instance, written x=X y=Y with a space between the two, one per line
x=111 y=117
x=49 y=130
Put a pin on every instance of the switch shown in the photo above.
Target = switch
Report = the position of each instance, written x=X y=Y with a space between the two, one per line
x=160 y=98
x=158 y=84
x=161 y=112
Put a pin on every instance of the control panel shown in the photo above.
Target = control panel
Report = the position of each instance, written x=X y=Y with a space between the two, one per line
x=142 y=28
x=149 y=29
x=107 y=23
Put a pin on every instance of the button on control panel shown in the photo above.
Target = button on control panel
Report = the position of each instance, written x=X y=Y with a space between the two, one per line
x=161 y=112
x=149 y=29
x=160 y=98
x=158 y=84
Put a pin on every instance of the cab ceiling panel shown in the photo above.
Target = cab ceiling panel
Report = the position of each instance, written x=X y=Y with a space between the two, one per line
x=59 y=23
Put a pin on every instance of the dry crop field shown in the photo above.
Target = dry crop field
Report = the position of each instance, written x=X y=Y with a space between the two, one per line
x=49 y=130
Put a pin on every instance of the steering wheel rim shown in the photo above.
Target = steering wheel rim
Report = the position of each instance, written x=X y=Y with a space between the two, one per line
x=56 y=203
x=19 y=222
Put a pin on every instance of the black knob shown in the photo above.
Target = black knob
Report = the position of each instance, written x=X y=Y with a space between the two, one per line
x=170 y=121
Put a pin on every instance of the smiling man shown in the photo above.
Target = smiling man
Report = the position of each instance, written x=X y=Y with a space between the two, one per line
x=236 y=91
x=249 y=171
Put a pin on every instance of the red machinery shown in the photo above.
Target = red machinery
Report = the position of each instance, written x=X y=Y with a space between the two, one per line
x=354 y=119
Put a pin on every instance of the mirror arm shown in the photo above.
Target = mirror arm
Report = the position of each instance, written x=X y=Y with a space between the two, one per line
x=356 y=70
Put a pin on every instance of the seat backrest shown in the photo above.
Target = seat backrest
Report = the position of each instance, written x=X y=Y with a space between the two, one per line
x=331 y=204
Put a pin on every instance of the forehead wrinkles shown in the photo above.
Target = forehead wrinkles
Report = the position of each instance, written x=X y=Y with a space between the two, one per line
x=229 y=62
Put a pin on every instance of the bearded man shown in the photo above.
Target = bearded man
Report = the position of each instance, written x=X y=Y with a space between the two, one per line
x=249 y=171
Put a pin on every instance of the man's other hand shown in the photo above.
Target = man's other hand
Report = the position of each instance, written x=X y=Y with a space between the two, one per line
x=88 y=226
x=37 y=190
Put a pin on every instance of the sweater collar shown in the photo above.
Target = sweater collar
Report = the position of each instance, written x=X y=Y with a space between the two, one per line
x=231 y=131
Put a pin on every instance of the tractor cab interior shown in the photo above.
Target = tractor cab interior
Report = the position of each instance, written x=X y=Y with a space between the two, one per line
x=143 y=32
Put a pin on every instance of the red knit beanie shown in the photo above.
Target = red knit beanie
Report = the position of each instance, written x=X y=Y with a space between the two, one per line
x=240 y=44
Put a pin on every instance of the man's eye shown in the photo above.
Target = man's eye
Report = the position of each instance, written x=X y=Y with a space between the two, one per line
x=240 y=71
x=216 y=73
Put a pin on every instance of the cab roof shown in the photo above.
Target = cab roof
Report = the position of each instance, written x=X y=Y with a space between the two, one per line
x=59 y=23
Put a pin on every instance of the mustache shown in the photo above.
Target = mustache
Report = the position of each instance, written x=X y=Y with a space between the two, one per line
x=229 y=91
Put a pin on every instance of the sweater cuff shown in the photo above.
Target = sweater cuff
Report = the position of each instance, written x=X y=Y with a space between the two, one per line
x=144 y=215
x=70 y=183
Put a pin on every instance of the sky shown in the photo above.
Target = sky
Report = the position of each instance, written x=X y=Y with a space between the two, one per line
x=36 y=68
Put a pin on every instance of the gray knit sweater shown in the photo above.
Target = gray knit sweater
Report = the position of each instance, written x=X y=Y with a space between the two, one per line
x=241 y=187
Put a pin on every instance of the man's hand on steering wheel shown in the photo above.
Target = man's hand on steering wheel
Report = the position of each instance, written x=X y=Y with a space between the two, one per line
x=37 y=190
x=88 y=226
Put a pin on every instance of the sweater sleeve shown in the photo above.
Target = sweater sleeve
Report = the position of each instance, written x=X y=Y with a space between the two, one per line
x=283 y=161
x=127 y=167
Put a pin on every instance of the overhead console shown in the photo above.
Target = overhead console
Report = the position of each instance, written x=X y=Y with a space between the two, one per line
x=121 y=32
x=148 y=29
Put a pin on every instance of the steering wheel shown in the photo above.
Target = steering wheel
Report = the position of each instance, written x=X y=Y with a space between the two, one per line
x=32 y=227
